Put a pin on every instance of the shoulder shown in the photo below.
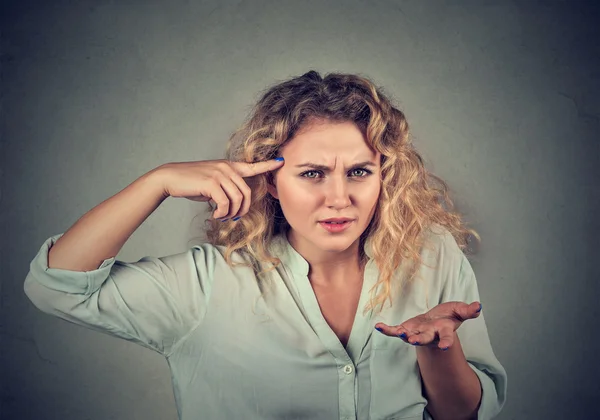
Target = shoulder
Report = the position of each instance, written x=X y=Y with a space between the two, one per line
x=214 y=257
x=446 y=268
x=439 y=242
x=213 y=252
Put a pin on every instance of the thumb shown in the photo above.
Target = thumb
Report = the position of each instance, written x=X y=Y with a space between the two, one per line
x=250 y=169
x=463 y=311
x=474 y=309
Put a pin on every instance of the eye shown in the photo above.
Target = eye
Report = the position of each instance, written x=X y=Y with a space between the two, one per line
x=366 y=171
x=303 y=174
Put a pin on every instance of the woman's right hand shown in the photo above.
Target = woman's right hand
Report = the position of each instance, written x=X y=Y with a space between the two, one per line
x=218 y=180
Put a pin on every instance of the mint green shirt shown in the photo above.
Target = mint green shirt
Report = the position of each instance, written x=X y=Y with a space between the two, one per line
x=235 y=355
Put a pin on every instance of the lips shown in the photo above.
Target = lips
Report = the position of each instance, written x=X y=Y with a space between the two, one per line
x=336 y=227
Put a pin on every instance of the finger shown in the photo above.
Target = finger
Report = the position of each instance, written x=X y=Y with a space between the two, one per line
x=218 y=195
x=470 y=311
x=446 y=335
x=462 y=311
x=422 y=338
x=245 y=169
x=239 y=193
x=385 y=329
x=407 y=330
x=246 y=194
x=235 y=198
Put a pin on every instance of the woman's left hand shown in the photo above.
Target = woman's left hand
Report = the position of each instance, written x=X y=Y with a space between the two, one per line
x=434 y=328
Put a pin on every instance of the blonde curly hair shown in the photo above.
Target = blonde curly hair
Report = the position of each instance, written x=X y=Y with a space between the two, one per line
x=409 y=202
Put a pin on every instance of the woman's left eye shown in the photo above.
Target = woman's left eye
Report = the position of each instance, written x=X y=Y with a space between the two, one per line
x=366 y=171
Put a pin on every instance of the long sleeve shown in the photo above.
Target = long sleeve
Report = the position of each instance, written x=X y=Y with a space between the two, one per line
x=461 y=285
x=154 y=302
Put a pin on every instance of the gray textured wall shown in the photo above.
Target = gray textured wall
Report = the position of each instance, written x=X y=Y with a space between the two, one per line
x=502 y=98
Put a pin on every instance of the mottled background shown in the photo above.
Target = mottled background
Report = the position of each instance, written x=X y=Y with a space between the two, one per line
x=502 y=98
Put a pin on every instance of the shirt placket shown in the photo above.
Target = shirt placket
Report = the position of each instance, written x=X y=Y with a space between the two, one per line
x=345 y=359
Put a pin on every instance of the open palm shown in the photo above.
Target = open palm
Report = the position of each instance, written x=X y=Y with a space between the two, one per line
x=436 y=327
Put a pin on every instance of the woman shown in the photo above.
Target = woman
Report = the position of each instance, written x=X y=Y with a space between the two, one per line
x=332 y=285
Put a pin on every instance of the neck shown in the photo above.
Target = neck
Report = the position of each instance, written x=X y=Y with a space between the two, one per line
x=336 y=277
x=331 y=269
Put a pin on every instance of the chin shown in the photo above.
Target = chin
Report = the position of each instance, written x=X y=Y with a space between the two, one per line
x=325 y=240
x=339 y=241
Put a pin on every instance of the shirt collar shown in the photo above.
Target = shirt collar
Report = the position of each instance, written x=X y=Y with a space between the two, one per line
x=281 y=248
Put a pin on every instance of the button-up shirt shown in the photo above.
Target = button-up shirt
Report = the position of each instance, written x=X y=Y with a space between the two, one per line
x=239 y=347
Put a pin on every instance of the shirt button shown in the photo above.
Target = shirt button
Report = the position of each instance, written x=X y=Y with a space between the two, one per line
x=348 y=369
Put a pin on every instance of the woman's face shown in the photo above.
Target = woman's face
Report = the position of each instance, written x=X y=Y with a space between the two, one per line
x=329 y=172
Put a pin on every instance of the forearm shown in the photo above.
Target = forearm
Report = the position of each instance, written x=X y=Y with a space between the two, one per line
x=452 y=388
x=101 y=232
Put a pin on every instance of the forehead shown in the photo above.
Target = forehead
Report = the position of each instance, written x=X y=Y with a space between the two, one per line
x=327 y=140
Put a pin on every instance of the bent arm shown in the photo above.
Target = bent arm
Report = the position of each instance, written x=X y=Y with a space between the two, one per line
x=155 y=302
x=101 y=232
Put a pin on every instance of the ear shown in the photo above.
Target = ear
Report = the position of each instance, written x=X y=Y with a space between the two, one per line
x=272 y=189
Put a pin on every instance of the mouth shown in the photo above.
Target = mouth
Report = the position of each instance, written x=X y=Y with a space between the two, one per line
x=336 y=226
x=336 y=220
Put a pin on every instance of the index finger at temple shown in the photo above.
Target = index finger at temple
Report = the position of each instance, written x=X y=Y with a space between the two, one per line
x=250 y=169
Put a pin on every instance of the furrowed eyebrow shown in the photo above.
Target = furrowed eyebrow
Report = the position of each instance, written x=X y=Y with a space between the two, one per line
x=327 y=168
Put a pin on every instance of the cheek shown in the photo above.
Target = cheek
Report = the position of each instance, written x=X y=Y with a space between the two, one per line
x=295 y=197
x=370 y=198
x=371 y=193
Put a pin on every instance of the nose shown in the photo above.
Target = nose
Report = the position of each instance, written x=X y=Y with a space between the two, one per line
x=336 y=194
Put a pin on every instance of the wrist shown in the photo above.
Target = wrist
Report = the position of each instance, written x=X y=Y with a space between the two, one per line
x=158 y=178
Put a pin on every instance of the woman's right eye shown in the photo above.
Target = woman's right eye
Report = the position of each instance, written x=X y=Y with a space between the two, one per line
x=303 y=174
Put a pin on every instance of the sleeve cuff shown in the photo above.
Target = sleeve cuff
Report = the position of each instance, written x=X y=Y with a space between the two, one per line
x=68 y=281
x=490 y=404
